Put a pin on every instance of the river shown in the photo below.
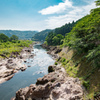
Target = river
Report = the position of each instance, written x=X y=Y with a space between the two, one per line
x=39 y=67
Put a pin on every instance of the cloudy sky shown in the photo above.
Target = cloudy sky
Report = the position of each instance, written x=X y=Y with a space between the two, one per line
x=41 y=14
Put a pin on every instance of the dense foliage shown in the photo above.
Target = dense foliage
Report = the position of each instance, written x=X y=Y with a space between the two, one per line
x=40 y=36
x=85 y=37
x=55 y=37
x=12 y=44
x=21 y=34
x=97 y=3
x=3 y=37
x=65 y=28
x=6 y=48
x=13 y=38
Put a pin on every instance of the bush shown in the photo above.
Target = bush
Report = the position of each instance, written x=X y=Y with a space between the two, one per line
x=56 y=63
x=86 y=84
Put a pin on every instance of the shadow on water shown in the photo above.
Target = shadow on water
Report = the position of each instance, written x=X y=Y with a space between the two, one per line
x=39 y=65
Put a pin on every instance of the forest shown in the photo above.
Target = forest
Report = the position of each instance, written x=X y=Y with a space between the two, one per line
x=56 y=36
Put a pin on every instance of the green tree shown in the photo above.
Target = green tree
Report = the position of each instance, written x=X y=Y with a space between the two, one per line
x=97 y=3
x=13 y=37
x=3 y=37
x=57 y=40
x=49 y=38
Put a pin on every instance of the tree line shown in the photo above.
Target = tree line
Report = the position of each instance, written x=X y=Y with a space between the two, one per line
x=4 y=38
x=56 y=36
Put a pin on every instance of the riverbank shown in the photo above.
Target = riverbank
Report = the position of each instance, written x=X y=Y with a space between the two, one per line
x=54 y=86
x=76 y=66
x=10 y=66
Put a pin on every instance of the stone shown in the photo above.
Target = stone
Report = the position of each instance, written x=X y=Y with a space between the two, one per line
x=23 y=68
x=51 y=69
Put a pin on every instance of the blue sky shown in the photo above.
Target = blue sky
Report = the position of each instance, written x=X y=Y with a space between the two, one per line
x=41 y=14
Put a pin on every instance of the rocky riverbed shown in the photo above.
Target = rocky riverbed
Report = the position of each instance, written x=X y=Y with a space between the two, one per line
x=9 y=66
x=54 y=86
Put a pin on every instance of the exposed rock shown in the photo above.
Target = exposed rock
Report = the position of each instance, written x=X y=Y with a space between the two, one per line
x=67 y=91
x=53 y=48
x=46 y=46
x=22 y=94
x=9 y=77
x=13 y=64
x=58 y=50
x=8 y=73
x=20 y=57
x=10 y=60
x=54 y=86
x=31 y=56
x=29 y=66
x=25 y=61
x=23 y=68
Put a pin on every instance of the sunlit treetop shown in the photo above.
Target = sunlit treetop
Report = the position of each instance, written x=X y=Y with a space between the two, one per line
x=97 y=3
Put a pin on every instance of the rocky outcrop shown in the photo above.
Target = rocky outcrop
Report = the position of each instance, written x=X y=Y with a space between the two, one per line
x=54 y=86
x=13 y=64
x=52 y=50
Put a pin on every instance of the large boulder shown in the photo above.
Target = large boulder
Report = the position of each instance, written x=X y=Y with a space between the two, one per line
x=11 y=65
x=22 y=94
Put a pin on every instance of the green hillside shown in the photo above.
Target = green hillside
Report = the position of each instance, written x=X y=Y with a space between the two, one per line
x=21 y=34
x=55 y=37
x=40 y=36
x=83 y=53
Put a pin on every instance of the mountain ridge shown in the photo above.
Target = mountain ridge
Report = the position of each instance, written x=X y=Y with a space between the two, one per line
x=21 y=34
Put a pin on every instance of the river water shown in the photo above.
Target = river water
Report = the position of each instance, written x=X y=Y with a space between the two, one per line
x=39 y=67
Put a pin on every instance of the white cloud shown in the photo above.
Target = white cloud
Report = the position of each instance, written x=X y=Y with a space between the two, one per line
x=57 y=8
x=74 y=14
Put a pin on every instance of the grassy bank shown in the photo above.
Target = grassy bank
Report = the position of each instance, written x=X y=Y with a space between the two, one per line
x=6 y=48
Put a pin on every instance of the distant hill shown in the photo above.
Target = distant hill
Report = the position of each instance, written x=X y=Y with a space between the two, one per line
x=21 y=34
x=40 y=36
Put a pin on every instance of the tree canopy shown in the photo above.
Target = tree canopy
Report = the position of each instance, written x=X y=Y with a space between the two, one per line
x=85 y=37
x=3 y=37
x=97 y=3
x=13 y=37
x=55 y=37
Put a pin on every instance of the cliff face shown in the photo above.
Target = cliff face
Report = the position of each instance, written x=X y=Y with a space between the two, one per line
x=54 y=86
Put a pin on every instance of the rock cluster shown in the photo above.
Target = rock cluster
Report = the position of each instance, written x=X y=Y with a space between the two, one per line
x=53 y=50
x=13 y=64
x=54 y=86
